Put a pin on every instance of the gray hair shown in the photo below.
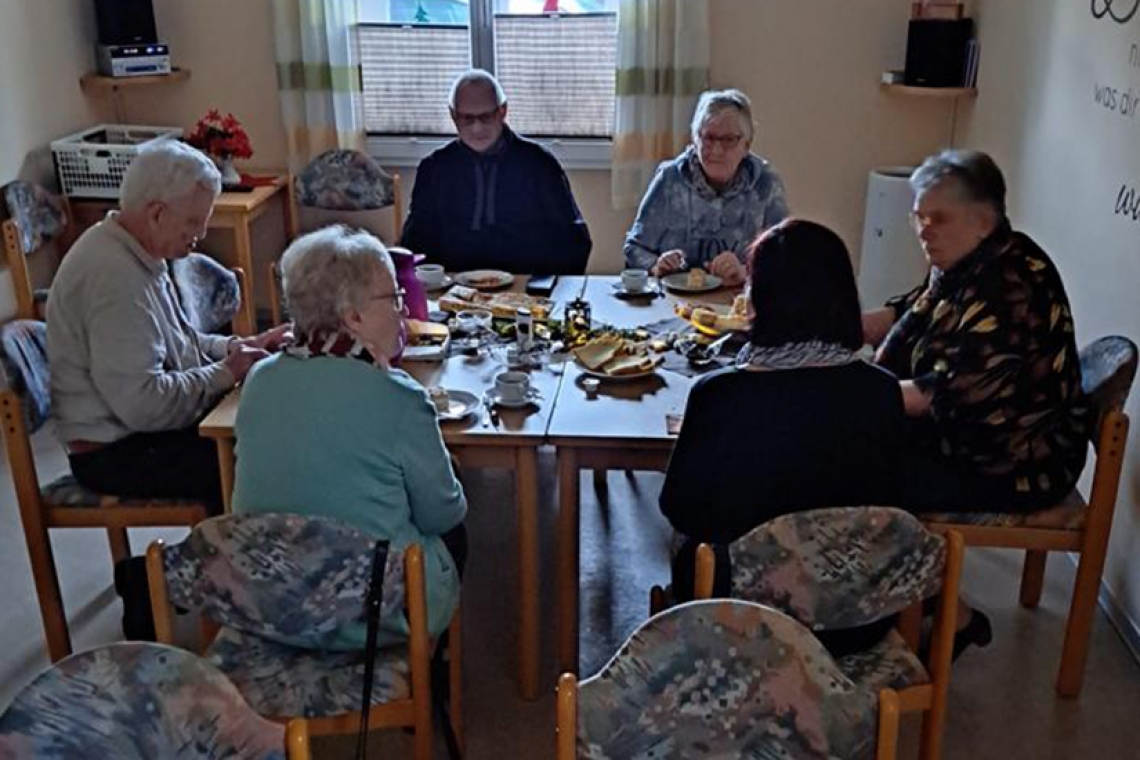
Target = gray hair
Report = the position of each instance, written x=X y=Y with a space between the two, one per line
x=166 y=170
x=975 y=175
x=481 y=78
x=328 y=273
x=714 y=102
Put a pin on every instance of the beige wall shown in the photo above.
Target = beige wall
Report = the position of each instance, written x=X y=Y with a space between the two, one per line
x=1066 y=159
x=45 y=46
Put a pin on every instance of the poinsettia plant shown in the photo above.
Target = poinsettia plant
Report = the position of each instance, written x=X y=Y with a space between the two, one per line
x=223 y=136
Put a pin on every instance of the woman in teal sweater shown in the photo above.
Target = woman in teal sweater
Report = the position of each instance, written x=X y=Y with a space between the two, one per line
x=329 y=428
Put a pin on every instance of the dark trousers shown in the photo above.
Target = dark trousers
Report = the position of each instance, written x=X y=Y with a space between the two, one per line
x=172 y=464
x=931 y=483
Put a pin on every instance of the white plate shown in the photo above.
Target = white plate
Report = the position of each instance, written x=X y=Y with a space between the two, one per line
x=460 y=404
x=532 y=397
x=616 y=378
x=485 y=279
x=680 y=283
x=447 y=282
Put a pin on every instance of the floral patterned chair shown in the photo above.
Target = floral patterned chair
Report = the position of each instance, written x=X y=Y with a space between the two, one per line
x=722 y=678
x=846 y=567
x=210 y=294
x=137 y=701
x=280 y=586
x=35 y=218
x=25 y=403
x=1108 y=368
x=346 y=187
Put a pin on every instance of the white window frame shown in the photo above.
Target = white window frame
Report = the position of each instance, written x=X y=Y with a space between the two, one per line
x=406 y=151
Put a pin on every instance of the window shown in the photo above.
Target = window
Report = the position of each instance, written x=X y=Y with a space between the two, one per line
x=554 y=58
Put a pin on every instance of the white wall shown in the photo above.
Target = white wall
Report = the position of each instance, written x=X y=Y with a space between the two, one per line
x=45 y=46
x=1066 y=159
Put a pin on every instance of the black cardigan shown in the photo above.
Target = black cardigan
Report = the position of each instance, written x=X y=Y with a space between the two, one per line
x=756 y=445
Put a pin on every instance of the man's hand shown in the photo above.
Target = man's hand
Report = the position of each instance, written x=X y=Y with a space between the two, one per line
x=241 y=358
x=728 y=268
x=668 y=262
x=270 y=340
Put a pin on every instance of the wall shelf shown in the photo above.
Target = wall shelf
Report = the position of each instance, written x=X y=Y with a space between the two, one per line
x=97 y=84
x=931 y=92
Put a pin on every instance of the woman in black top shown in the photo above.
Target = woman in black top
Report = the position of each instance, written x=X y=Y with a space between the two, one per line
x=800 y=422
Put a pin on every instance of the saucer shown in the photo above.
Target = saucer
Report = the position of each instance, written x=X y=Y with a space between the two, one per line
x=532 y=397
x=620 y=291
x=443 y=284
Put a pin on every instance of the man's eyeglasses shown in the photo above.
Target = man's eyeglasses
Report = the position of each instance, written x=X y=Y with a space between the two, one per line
x=726 y=142
x=397 y=297
x=470 y=119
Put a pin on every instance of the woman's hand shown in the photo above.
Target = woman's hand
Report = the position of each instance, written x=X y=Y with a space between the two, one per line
x=728 y=268
x=668 y=262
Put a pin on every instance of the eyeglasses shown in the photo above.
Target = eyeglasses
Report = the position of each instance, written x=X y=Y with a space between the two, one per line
x=397 y=297
x=470 y=119
x=725 y=142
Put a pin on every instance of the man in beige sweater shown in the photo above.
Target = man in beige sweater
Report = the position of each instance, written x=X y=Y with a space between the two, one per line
x=130 y=377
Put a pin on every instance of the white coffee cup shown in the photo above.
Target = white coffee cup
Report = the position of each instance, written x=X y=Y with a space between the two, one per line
x=635 y=280
x=431 y=275
x=512 y=387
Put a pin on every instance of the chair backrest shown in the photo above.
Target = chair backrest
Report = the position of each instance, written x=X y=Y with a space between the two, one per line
x=724 y=678
x=289 y=578
x=210 y=293
x=24 y=369
x=344 y=180
x=135 y=700
x=840 y=567
x=1108 y=367
x=36 y=217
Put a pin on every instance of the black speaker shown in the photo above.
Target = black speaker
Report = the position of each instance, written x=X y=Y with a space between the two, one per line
x=936 y=51
x=125 y=22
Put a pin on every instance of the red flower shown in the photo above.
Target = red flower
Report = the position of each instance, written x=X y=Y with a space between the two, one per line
x=222 y=136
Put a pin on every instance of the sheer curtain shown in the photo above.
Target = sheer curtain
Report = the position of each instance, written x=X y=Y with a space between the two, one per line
x=662 y=66
x=318 y=77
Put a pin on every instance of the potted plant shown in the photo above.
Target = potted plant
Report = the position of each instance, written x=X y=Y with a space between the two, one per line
x=223 y=139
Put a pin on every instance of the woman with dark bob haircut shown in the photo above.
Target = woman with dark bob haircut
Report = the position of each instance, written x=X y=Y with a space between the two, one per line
x=800 y=422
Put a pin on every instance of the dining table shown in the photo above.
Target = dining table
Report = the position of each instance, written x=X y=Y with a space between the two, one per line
x=621 y=426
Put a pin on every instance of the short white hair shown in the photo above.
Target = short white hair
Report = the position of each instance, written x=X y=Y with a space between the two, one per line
x=477 y=77
x=327 y=273
x=167 y=170
x=713 y=102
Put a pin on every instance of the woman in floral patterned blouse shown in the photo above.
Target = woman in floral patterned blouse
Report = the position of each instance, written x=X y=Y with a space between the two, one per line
x=985 y=352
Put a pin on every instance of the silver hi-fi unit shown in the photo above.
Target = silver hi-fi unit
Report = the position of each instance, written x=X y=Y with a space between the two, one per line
x=134 y=60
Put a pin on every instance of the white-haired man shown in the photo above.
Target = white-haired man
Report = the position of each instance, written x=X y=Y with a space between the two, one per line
x=130 y=377
x=493 y=199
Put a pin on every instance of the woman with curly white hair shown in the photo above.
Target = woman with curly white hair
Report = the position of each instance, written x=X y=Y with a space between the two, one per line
x=329 y=428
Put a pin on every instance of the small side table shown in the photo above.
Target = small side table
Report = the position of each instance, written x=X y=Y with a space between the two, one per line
x=236 y=210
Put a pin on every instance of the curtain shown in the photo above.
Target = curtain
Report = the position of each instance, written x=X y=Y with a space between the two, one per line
x=318 y=77
x=662 y=66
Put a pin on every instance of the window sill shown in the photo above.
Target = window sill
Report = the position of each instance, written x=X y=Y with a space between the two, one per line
x=575 y=154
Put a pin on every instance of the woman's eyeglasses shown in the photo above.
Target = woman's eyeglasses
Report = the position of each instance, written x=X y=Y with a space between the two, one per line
x=725 y=142
x=397 y=297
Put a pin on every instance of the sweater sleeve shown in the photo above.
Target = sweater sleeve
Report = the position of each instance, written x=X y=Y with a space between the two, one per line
x=436 y=497
x=777 y=209
x=684 y=496
x=643 y=241
x=128 y=366
x=569 y=243
x=421 y=230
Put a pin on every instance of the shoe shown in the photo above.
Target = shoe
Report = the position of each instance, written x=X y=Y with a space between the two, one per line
x=978 y=632
x=132 y=586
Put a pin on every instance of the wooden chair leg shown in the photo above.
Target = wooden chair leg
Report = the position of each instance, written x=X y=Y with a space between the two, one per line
x=888 y=725
x=568 y=717
x=120 y=544
x=48 y=593
x=1033 y=577
x=1082 y=611
x=910 y=625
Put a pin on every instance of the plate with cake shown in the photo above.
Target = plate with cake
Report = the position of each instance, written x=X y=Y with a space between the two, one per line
x=451 y=405
x=485 y=279
x=694 y=281
x=716 y=320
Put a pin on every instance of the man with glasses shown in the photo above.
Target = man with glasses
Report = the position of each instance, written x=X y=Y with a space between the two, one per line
x=493 y=199
x=706 y=206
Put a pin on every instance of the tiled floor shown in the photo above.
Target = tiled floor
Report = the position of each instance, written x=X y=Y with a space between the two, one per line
x=1002 y=702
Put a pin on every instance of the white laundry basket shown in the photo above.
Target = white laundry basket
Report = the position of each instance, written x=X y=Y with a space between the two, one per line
x=91 y=163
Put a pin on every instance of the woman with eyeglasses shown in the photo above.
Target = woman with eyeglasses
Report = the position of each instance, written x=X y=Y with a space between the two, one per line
x=704 y=207
x=330 y=428
x=985 y=352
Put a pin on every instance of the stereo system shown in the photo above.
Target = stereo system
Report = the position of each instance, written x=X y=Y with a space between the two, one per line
x=128 y=40
x=938 y=51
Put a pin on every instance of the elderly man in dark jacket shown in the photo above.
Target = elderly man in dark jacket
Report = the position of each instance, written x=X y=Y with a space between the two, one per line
x=493 y=199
